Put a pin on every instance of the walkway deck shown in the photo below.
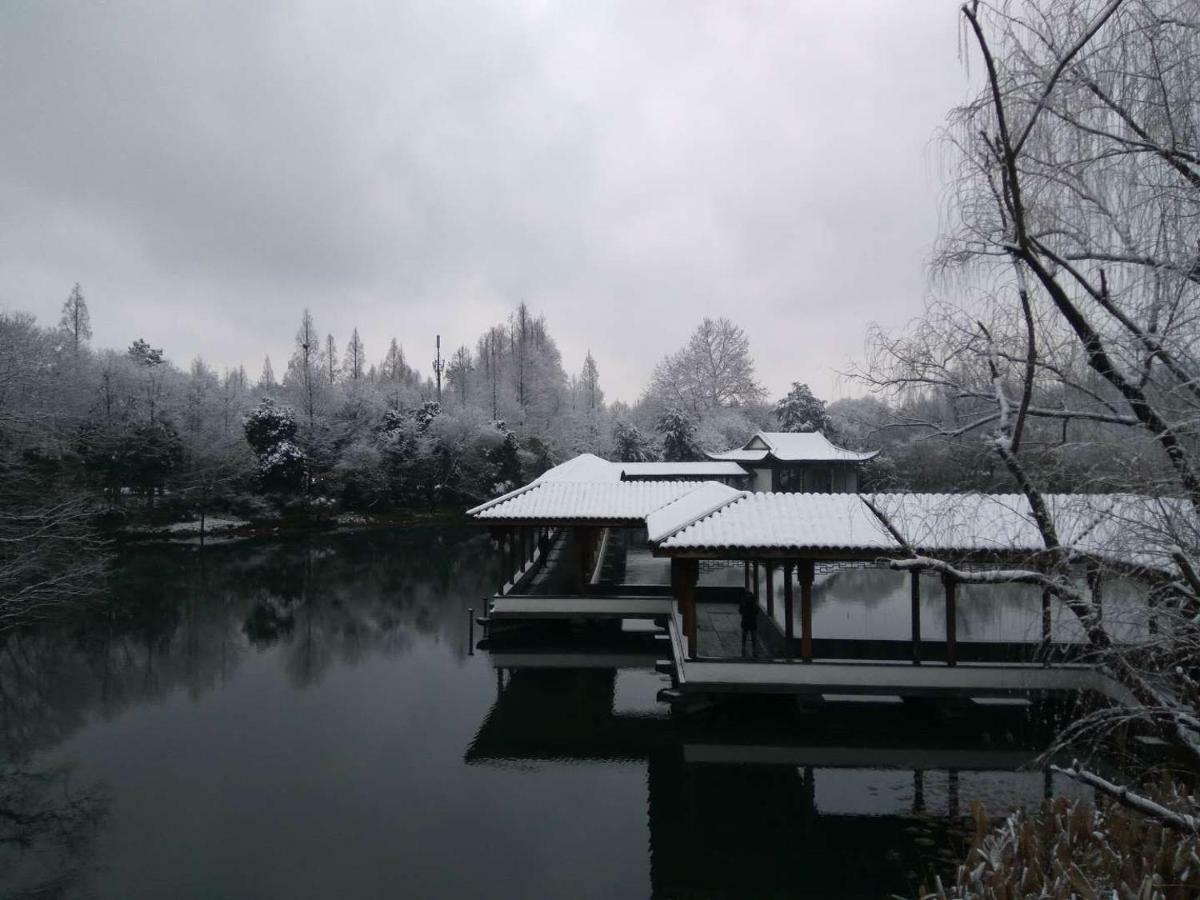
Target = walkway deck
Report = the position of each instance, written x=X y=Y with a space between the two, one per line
x=516 y=607
x=883 y=678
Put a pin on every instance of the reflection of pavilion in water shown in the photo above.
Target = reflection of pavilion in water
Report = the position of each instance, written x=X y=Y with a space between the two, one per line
x=838 y=801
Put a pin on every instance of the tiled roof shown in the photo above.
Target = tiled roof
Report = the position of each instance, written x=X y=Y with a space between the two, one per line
x=571 y=501
x=584 y=467
x=787 y=522
x=809 y=446
x=697 y=470
x=941 y=523
x=689 y=508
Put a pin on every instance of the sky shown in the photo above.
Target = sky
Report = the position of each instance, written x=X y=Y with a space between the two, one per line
x=208 y=170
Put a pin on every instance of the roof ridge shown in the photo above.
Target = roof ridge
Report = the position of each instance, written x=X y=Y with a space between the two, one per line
x=515 y=492
x=707 y=510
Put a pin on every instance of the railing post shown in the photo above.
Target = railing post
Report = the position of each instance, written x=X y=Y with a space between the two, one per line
x=789 y=630
x=915 y=592
x=951 y=586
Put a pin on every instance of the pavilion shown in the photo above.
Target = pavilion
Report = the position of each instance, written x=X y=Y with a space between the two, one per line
x=786 y=535
x=798 y=461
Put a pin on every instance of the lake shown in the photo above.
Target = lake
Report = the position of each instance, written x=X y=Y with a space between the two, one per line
x=303 y=718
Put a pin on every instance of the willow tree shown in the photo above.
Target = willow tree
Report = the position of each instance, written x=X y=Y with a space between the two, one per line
x=1074 y=203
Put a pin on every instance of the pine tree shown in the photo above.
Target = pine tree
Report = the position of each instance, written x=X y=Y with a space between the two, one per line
x=679 y=437
x=266 y=381
x=801 y=411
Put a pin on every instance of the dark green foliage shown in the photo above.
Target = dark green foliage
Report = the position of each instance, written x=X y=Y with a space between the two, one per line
x=630 y=445
x=271 y=431
x=678 y=437
x=800 y=410
x=506 y=461
x=268 y=425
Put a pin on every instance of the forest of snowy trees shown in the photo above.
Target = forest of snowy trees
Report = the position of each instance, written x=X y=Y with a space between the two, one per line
x=352 y=424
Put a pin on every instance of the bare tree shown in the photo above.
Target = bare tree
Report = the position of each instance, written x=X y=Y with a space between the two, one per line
x=1075 y=201
x=76 y=321
x=330 y=359
x=355 y=359
x=714 y=370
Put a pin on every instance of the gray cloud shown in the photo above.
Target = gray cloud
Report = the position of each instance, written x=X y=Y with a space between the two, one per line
x=208 y=170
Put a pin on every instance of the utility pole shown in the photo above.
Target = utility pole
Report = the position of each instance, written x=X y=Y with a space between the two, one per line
x=438 y=365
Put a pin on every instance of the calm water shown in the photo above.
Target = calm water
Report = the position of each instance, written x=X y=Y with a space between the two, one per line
x=303 y=719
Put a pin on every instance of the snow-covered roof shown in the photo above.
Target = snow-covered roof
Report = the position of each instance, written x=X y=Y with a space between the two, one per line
x=696 y=470
x=944 y=523
x=690 y=508
x=584 y=467
x=787 y=522
x=808 y=446
x=575 y=501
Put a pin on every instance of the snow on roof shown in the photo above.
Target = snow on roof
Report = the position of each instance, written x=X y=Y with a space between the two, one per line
x=630 y=501
x=940 y=523
x=787 y=522
x=739 y=455
x=1126 y=528
x=689 y=508
x=808 y=446
x=584 y=467
x=667 y=469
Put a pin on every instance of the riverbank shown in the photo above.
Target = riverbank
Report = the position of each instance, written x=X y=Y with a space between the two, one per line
x=225 y=529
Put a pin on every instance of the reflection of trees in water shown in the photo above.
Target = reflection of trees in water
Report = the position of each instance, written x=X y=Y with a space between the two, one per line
x=1008 y=612
x=46 y=831
x=184 y=618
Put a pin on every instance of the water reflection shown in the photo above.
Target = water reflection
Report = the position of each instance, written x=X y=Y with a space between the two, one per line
x=302 y=719
x=762 y=799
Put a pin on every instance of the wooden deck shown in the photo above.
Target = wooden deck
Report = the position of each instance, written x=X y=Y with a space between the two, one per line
x=532 y=608
x=699 y=676
x=916 y=758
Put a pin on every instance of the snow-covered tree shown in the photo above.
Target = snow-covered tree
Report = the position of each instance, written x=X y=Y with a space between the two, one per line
x=76 y=321
x=266 y=381
x=713 y=370
x=800 y=410
x=355 y=360
x=678 y=433
x=630 y=445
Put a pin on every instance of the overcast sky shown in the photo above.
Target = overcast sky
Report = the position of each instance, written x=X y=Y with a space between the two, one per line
x=207 y=170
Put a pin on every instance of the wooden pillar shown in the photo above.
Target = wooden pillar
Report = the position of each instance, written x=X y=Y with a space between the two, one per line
x=746 y=574
x=918 y=806
x=770 y=589
x=807 y=574
x=754 y=566
x=915 y=594
x=684 y=575
x=951 y=586
x=789 y=630
x=506 y=567
x=952 y=793
x=498 y=537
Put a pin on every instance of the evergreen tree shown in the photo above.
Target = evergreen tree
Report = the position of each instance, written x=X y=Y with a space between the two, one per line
x=678 y=437
x=800 y=410
x=630 y=445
